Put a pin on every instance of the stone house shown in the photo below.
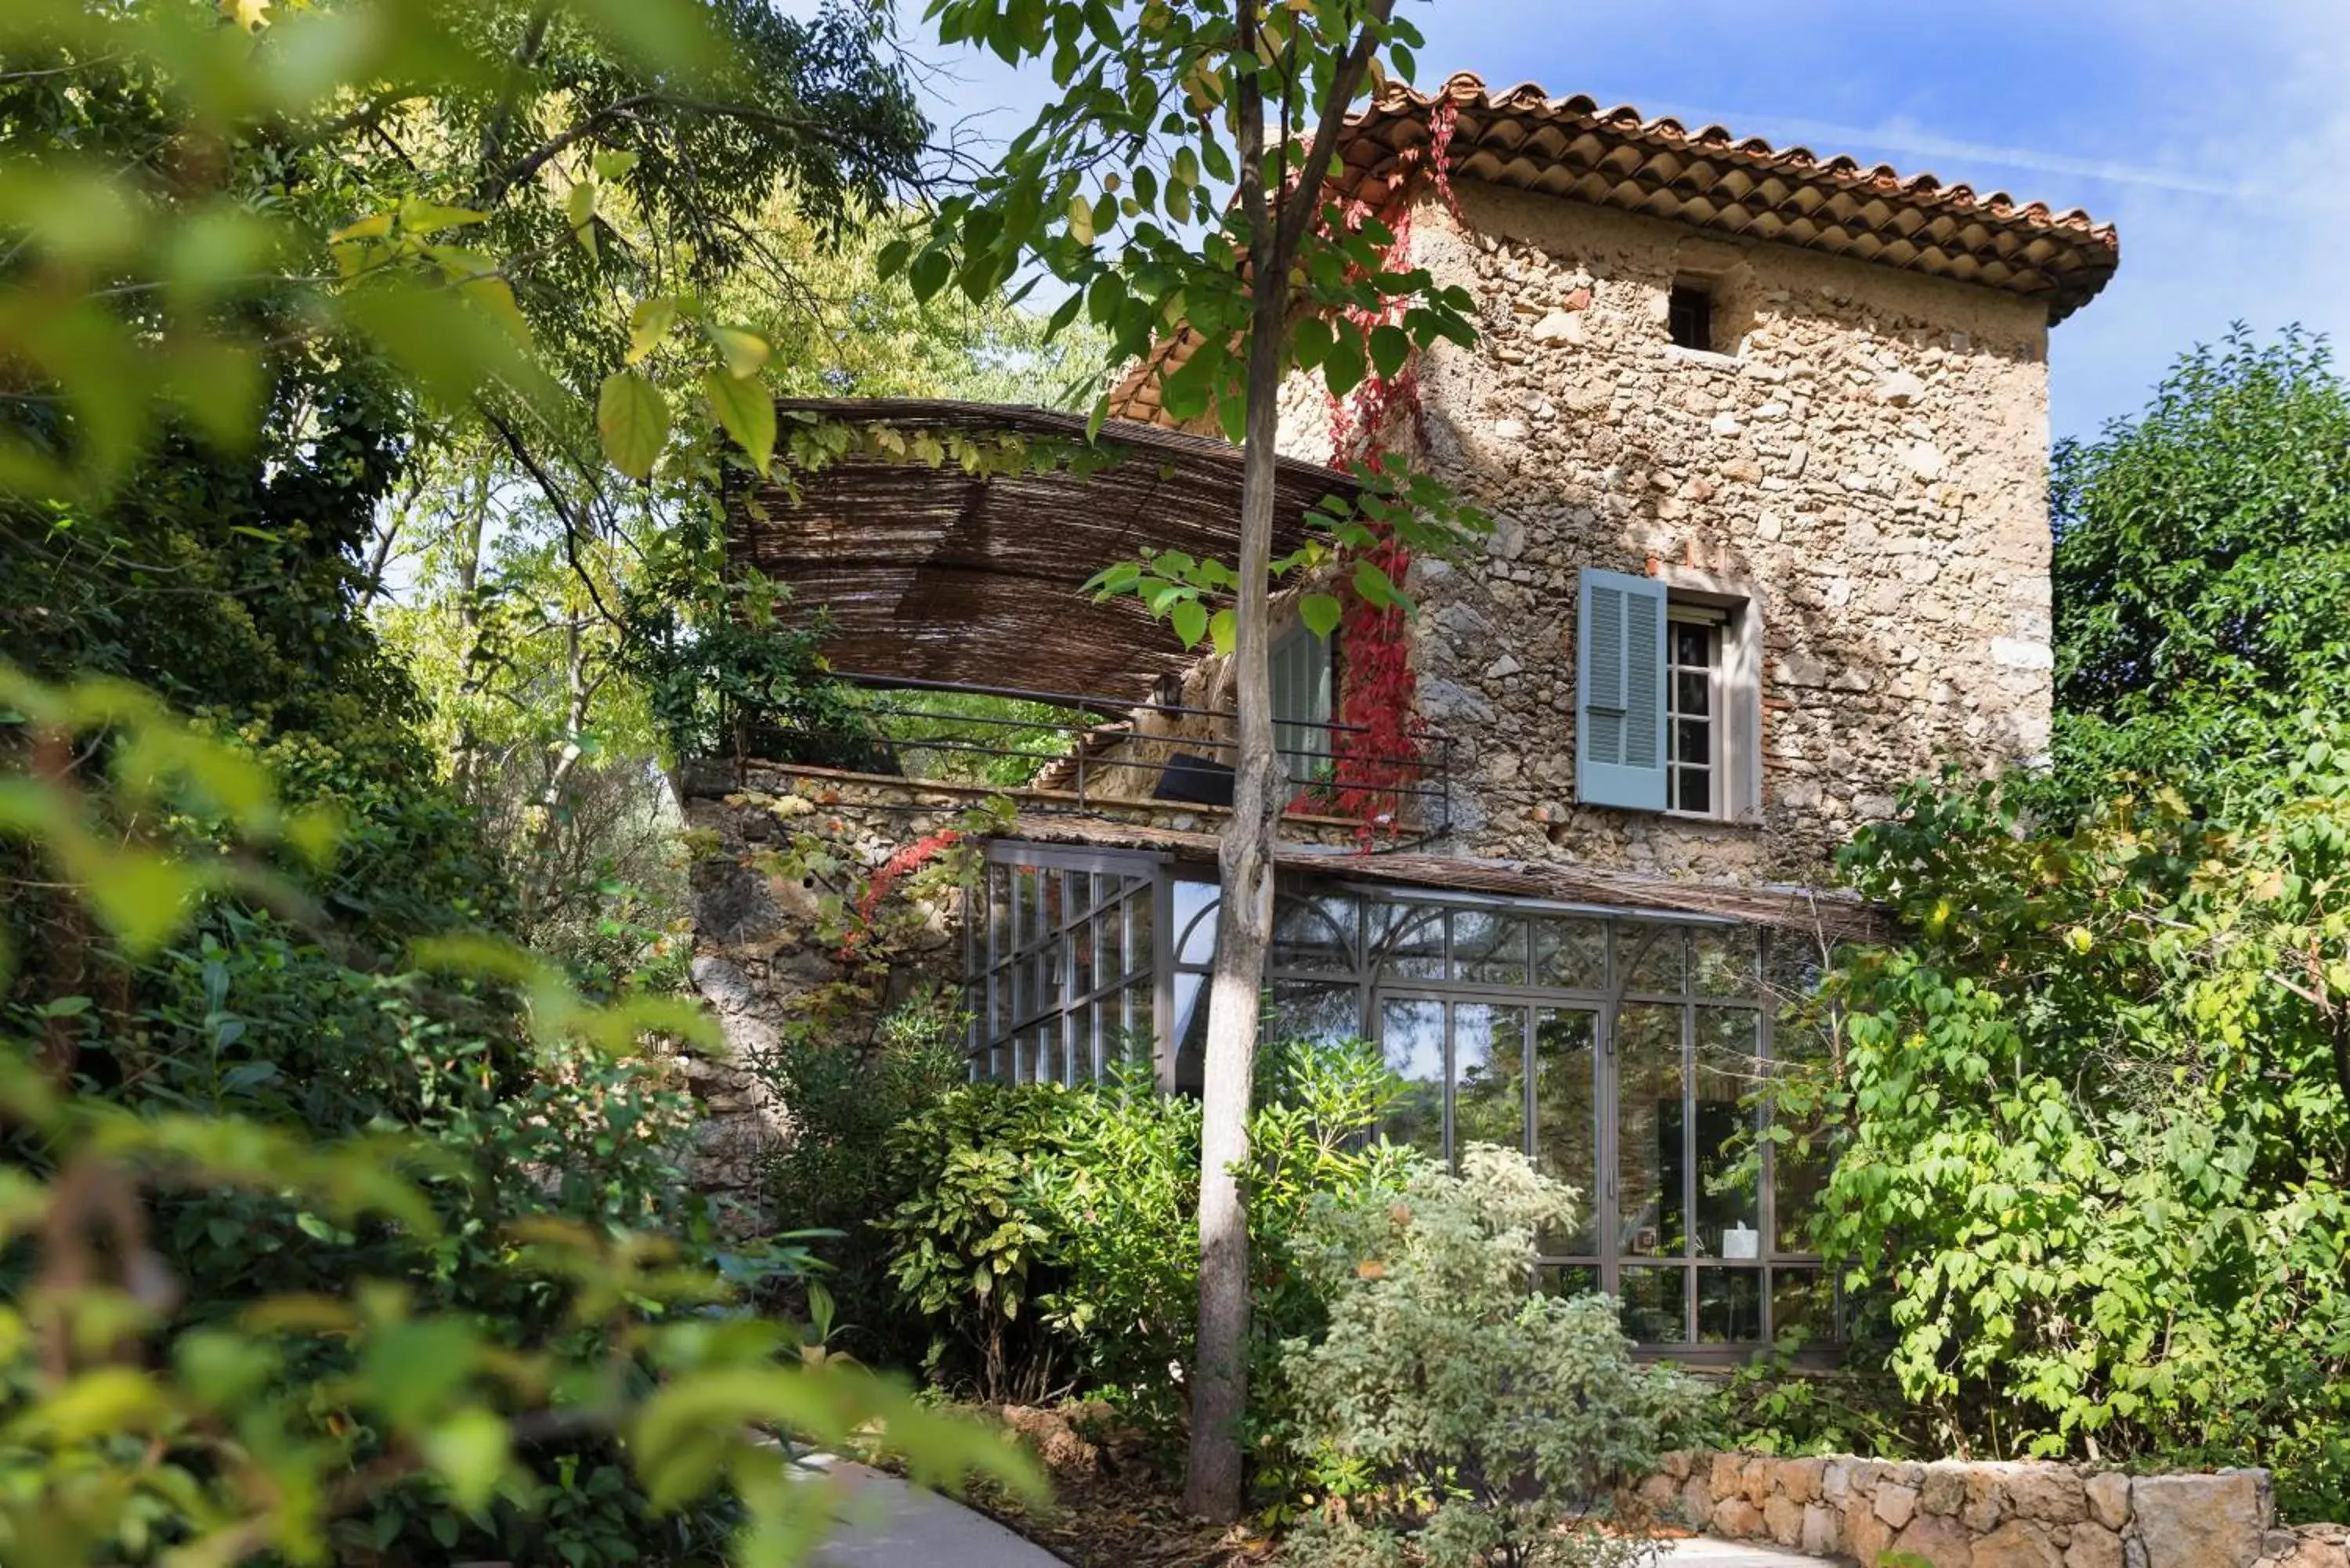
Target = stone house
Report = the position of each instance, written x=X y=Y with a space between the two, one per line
x=1764 y=437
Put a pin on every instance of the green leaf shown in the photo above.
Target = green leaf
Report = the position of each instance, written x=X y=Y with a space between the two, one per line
x=141 y=895
x=745 y=351
x=649 y=324
x=579 y=210
x=1310 y=343
x=1320 y=613
x=1224 y=631
x=471 y=1452
x=1189 y=619
x=633 y=422
x=746 y=412
x=929 y=274
x=1342 y=368
x=421 y=217
x=1390 y=349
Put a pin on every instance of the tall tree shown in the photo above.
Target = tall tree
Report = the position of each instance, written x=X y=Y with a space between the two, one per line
x=2202 y=567
x=540 y=710
x=1166 y=108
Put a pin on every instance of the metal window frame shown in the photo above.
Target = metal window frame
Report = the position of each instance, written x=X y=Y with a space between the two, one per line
x=988 y=967
x=1603 y=1002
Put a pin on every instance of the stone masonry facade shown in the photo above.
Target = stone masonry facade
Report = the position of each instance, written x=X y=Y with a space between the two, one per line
x=1957 y=1514
x=1866 y=464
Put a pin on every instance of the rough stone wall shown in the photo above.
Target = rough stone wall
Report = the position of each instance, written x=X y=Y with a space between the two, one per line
x=1871 y=460
x=765 y=961
x=1959 y=1515
x=762 y=959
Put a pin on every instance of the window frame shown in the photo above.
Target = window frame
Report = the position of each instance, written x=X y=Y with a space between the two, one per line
x=1008 y=1027
x=1737 y=690
x=1358 y=931
x=1701 y=290
x=1714 y=623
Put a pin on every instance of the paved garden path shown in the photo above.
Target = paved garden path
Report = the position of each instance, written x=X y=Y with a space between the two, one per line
x=885 y=1523
x=1696 y=1552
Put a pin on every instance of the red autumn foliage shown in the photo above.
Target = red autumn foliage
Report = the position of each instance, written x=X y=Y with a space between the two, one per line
x=1378 y=752
x=891 y=872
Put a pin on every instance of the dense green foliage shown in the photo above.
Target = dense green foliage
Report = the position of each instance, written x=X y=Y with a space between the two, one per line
x=2091 y=1129
x=2203 y=569
x=227 y=1335
x=1045 y=1237
x=1485 y=1424
x=277 y=280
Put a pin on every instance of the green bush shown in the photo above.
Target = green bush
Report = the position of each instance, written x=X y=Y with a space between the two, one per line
x=2091 y=1151
x=1050 y=1239
x=1488 y=1424
x=970 y=1249
x=837 y=1170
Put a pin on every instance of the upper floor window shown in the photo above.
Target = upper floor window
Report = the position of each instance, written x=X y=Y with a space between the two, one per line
x=1693 y=732
x=1688 y=314
x=1301 y=689
x=1668 y=715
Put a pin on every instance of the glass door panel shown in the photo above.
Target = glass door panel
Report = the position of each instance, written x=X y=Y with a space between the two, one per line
x=1309 y=1010
x=1729 y=1307
x=1654 y=1304
x=1489 y=1063
x=1411 y=1036
x=1651 y=1141
x=1729 y=1219
x=1567 y=1120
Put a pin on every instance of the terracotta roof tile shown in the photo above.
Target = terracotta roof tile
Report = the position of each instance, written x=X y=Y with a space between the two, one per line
x=1572 y=147
x=1742 y=186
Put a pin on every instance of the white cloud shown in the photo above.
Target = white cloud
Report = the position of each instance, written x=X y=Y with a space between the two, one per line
x=2273 y=252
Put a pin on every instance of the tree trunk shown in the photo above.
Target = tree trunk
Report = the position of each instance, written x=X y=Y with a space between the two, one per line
x=1211 y=1482
x=471 y=675
x=544 y=877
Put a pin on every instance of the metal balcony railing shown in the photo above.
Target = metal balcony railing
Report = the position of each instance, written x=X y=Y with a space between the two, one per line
x=1107 y=748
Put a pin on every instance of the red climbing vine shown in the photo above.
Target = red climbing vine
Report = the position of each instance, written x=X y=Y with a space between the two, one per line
x=888 y=875
x=1376 y=749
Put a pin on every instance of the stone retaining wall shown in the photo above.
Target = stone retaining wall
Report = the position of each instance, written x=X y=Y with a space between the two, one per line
x=1954 y=1514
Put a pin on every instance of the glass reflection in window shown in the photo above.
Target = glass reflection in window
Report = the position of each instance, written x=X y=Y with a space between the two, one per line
x=1411 y=1036
x=1489 y=1092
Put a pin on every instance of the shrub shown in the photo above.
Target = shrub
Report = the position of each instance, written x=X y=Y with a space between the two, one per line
x=1050 y=1235
x=2089 y=1122
x=839 y=1169
x=970 y=1235
x=1491 y=1424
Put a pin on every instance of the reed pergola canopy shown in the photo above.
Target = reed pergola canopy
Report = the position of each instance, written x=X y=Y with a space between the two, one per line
x=929 y=572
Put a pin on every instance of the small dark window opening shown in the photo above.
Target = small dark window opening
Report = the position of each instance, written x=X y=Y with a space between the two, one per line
x=1688 y=315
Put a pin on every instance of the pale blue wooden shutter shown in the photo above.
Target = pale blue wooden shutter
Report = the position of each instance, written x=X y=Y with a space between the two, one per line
x=1619 y=714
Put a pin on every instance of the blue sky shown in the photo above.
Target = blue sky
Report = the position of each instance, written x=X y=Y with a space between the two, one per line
x=2214 y=134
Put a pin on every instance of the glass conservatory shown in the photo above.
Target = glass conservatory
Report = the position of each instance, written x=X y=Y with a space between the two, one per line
x=1617 y=1048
